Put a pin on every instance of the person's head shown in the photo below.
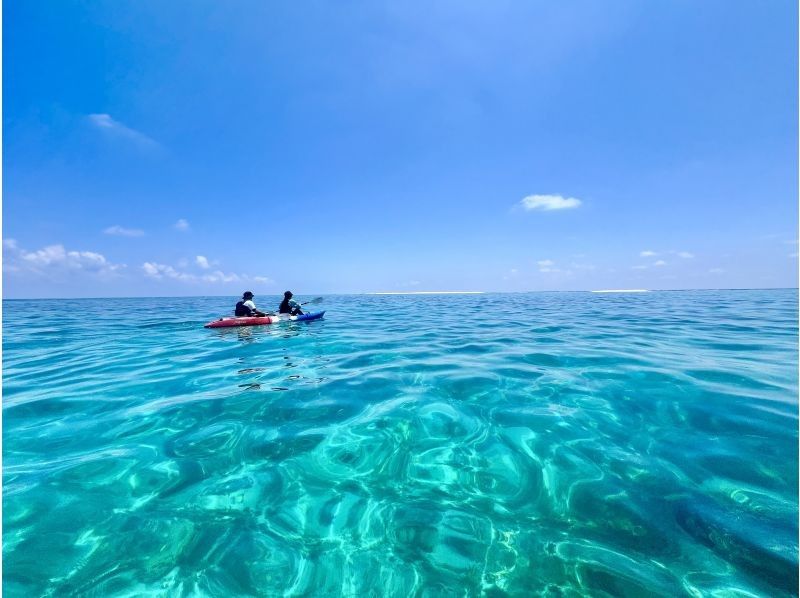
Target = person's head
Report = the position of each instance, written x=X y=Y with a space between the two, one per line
x=287 y=295
x=247 y=295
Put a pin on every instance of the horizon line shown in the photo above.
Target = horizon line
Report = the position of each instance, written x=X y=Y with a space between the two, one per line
x=373 y=293
x=425 y=293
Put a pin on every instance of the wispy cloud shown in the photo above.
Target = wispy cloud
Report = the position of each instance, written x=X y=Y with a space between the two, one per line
x=159 y=271
x=105 y=123
x=582 y=266
x=219 y=276
x=202 y=261
x=685 y=254
x=549 y=267
x=166 y=272
x=545 y=265
x=657 y=263
x=181 y=225
x=648 y=253
x=716 y=271
x=548 y=202
x=119 y=231
x=54 y=259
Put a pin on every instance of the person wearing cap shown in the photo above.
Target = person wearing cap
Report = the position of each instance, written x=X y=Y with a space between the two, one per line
x=289 y=305
x=246 y=307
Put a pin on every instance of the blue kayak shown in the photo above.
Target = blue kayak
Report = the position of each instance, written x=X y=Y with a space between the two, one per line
x=315 y=316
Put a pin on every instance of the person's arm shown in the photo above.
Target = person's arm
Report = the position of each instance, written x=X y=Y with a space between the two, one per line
x=259 y=313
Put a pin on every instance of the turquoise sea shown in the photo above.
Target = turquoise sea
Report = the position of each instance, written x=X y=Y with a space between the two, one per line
x=542 y=444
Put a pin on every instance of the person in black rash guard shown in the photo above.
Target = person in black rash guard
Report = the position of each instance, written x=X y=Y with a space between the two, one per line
x=246 y=307
x=289 y=305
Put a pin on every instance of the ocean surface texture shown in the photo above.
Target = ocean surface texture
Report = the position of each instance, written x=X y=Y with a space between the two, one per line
x=543 y=444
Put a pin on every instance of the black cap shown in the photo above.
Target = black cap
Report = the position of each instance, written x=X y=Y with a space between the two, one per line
x=287 y=294
x=247 y=294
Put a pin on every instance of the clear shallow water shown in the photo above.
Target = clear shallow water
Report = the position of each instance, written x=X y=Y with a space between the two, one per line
x=539 y=444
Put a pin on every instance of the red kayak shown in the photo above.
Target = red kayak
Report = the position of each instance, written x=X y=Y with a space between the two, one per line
x=262 y=321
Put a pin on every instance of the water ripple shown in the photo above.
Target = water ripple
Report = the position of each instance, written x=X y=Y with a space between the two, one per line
x=551 y=444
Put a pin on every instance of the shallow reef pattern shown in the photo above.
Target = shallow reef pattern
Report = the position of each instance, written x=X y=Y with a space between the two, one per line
x=542 y=444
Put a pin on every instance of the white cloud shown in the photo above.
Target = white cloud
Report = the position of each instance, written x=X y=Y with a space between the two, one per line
x=202 y=261
x=548 y=202
x=580 y=266
x=716 y=271
x=54 y=259
x=218 y=276
x=123 y=232
x=105 y=123
x=660 y=263
x=685 y=254
x=639 y=267
x=647 y=253
x=181 y=225
x=549 y=266
x=159 y=271
x=152 y=269
x=164 y=271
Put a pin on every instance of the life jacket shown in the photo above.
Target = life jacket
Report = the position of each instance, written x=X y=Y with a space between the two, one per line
x=242 y=310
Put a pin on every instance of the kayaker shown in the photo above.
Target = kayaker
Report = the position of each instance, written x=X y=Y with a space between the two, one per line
x=246 y=307
x=289 y=305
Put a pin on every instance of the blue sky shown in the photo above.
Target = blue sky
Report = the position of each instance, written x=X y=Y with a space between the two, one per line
x=188 y=148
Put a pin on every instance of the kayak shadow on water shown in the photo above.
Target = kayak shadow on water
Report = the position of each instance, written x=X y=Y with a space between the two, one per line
x=275 y=366
x=250 y=334
x=247 y=334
